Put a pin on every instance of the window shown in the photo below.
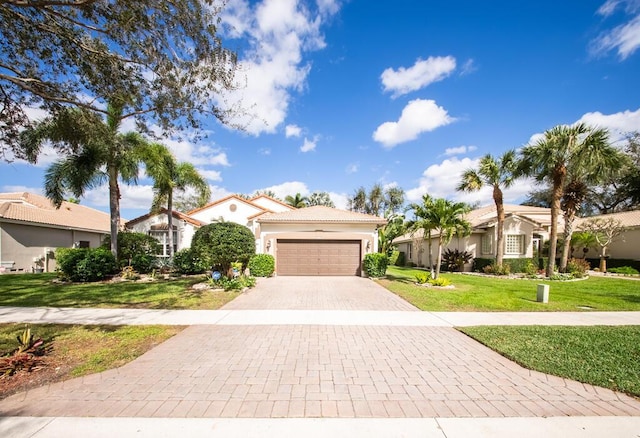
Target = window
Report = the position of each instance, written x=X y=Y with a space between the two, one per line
x=514 y=244
x=487 y=244
x=409 y=248
x=83 y=244
x=162 y=236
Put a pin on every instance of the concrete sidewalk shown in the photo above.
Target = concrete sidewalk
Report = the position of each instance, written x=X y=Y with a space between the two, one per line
x=554 y=427
x=308 y=317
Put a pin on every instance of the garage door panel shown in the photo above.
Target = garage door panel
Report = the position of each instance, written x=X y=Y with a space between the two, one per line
x=318 y=257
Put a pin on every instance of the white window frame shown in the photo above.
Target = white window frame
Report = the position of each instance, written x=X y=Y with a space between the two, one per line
x=162 y=236
x=514 y=244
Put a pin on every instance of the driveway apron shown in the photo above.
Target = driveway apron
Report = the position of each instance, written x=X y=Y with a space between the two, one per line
x=319 y=371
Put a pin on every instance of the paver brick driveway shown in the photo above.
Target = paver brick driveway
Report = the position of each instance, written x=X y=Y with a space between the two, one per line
x=319 y=371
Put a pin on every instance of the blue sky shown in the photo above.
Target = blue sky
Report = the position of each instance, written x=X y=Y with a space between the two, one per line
x=343 y=94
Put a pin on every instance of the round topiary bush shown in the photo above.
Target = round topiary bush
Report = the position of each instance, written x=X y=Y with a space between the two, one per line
x=262 y=265
x=375 y=265
x=221 y=244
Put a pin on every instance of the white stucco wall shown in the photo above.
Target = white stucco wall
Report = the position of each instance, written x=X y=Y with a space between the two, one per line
x=625 y=246
x=271 y=205
x=231 y=210
x=185 y=230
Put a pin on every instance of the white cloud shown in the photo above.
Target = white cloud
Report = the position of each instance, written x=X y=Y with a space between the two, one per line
x=440 y=181
x=292 y=131
x=353 y=168
x=20 y=189
x=264 y=151
x=624 y=38
x=460 y=150
x=340 y=200
x=417 y=117
x=138 y=197
x=279 y=33
x=618 y=124
x=420 y=75
x=309 y=145
x=468 y=67
x=287 y=188
x=201 y=154
x=211 y=175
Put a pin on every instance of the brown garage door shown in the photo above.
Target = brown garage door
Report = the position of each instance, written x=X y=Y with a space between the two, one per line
x=318 y=257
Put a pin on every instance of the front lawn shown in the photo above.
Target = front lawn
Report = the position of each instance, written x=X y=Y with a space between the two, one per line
x=481 y=293
x=599 y=355
x=34 y=290
x=78 y=350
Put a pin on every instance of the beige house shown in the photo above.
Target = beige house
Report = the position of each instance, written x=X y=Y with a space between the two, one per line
x=525 y=229
x=318 y=240
x=308 y=241
x=625 y=246
x=31 y=228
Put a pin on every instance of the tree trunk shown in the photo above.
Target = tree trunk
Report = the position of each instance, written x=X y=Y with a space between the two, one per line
x=497 y=197
x=558 y=182
x=114 y=208
x=170 y=221
x=569 y=219
x=430 y=254
x=439 y=258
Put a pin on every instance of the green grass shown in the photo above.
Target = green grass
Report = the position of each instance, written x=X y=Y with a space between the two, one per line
x=599 y=355
x=78 y=350
x=481 y=293
x=33 y=290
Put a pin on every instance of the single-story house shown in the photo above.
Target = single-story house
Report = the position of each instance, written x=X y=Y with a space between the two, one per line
x=31 y=228
x=525 y=228
x=307 y=241
x=626 y=245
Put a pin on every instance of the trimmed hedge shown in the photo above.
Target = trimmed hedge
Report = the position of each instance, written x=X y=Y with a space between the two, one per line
x=615 y=263
x=262 y=265
x=515 y=265
x=187 y=262
x=375 y=265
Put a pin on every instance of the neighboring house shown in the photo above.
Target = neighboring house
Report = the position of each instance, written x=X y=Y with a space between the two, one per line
x=525 y=229
x=31 y=228
x=625 y=246
x=157 y=225
x=307 y=241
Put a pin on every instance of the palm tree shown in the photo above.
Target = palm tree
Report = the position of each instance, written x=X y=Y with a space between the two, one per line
x=423 y=222
x=448 y=219
x=497 y=174
x=95 y=153
x=562 y=150
x=320 y=198
x=297 y=201
x=169 y=175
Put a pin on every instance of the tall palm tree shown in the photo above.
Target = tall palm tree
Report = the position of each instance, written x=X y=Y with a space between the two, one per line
x=297 y=201
x=169 y=175
x=562 y=150
x=498 y=174
x=423 y=222
x=94 y=152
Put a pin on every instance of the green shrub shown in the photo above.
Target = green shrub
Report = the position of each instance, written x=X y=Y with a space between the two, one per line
x=223 y=243
x=401 y=260
x=578 y=267
x=137 y=250
x=518 y=265
x=235 y=283
x=479 y=263
x=494 y=269
x=375 y=265
x=454 y=260
x=616 y=263
x=625 y=270
x=262 y=265
x=85 y=264
x=422 y=277
x=393 y=257
x=440 y=281
x=531 y=269
x=187 y=262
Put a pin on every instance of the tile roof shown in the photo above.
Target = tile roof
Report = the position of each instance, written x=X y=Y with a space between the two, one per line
x=320 y=214
x=36 y=209
x=163 y=211
x=271 y=199
x=628 y=219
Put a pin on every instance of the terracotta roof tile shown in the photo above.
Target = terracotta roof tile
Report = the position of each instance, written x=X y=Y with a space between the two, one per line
x=628 y=219
x=176 y=214
x=29 y=207
x=219 y=201
x=320 y=214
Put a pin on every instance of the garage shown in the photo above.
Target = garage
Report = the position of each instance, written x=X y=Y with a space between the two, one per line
x=318 y=257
